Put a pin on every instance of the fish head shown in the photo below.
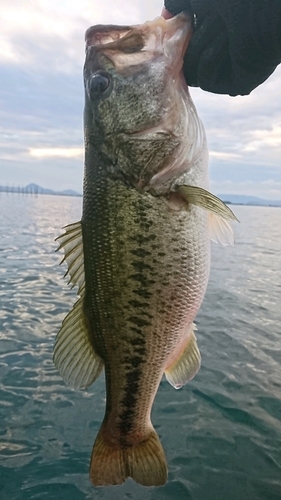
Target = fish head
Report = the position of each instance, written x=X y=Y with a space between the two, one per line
x=133 y=95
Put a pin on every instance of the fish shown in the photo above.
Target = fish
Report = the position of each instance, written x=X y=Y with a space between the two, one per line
x=140 y=255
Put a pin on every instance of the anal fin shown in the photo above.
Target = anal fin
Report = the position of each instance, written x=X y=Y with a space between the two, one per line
x=185 y=367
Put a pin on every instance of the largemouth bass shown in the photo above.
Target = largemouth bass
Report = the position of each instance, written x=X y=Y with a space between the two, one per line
x=140 y=254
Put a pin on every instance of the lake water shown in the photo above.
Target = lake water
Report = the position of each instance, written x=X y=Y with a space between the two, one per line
x=221 y=432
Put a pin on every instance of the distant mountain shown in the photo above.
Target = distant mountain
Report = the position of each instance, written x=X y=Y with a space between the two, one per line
x=35 y=189
x=235 y=199
x=70 y=192
x=241 y=199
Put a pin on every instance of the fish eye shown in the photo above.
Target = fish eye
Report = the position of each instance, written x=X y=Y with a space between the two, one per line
x=98 y=84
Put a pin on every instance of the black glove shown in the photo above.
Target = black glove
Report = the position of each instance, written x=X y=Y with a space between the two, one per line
x=236 y=44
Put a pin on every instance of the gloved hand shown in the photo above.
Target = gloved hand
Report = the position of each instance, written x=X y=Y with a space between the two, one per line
x=236 y=44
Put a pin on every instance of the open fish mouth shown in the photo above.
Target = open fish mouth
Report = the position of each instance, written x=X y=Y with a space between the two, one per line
x=145 y=42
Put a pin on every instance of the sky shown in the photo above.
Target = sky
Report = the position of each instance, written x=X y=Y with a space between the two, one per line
x=42 y=98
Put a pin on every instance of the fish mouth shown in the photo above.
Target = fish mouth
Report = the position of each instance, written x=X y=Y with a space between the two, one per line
x=128 y=46
x=104 y=35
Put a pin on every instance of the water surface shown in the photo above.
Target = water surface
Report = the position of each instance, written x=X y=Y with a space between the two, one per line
x=221 y=432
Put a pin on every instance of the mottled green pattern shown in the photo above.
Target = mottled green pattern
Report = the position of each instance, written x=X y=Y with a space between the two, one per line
x=146 y=250
x=146 y=269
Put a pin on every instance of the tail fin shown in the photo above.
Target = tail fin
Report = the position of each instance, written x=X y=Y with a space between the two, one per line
x=144 y=462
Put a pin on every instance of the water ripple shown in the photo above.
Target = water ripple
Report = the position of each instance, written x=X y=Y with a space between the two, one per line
x=221 y=432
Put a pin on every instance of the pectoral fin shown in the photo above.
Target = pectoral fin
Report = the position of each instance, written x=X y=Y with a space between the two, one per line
x=186 y=365
x=220 y=230
x=206 y=200
x=219 y=212
x=74 y=355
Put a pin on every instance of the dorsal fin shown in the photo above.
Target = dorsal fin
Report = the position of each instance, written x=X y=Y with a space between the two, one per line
x=72 y=244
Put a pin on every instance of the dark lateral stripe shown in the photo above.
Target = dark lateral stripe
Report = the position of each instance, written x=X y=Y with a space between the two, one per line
x=142 y=279
x=140 y=340
x=141 y=266
x=134 y=361
x=130 y=398
x=143 y=293
x=138 y=303
x=141 y=322
x=140 y=252
x=143 y=240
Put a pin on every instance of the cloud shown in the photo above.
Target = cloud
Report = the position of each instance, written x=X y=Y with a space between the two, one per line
x=41 y=100
x=56 y=152
x=265 y=138
x=244 y=137
x=220 y=155
x=39 y=24
x=268 y=189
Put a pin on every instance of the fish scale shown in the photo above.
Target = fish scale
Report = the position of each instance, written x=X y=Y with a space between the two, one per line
x=139 y=303
x=140 y=254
